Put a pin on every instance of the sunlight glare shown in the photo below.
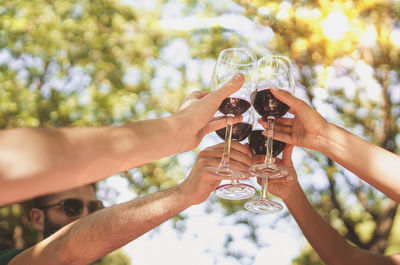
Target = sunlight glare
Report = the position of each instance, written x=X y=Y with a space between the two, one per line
x=368 y=37
x=335 y=25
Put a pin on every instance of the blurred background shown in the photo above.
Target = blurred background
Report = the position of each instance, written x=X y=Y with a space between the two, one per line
x=93 y=63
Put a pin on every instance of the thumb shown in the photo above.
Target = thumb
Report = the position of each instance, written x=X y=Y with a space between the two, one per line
x=229 y=88
x=294 y=103
x=219 y=123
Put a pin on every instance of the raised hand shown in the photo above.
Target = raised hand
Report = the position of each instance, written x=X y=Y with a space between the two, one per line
x=202 y=179
x=282 y=187
x=304 y=129
x=196 y=112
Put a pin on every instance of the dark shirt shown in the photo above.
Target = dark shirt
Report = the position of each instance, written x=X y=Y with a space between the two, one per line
x=7 y=255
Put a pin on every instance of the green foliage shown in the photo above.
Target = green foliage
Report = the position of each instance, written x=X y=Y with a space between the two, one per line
x=94 y=63
x=117 y=257
x=353 y=208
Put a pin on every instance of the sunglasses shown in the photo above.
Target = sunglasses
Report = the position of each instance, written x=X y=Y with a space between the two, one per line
x=73 y=207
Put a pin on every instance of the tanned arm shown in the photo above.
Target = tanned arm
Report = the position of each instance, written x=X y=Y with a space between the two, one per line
x=36 y=161
x=90 y=238
x=377 y=166
x=332 y=248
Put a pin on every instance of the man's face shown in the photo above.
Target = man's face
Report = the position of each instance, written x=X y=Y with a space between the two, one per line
x=54 y=218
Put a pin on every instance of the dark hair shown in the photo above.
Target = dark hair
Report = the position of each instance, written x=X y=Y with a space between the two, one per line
x=41 y=201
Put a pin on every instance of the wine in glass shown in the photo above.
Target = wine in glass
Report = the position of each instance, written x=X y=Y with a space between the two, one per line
x=257 y=144
x=236 y=190
x=231 y=62
x=271 y=71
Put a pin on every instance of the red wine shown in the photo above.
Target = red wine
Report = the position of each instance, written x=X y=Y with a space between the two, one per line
x=235 y=106
x=257 y=144
x=240 y=131
x=267 y=105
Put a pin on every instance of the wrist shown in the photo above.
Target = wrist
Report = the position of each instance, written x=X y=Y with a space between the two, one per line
x=176 y=129
x=324 y=138
x=294 y=195
x=185 y=196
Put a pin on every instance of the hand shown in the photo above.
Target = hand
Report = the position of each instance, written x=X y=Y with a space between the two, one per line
x=196 y=112
x=281 y=187
x=202 y=180
x=304 y=129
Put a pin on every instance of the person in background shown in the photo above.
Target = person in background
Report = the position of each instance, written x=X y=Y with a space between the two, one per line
x=78 y=231
x=39 y=161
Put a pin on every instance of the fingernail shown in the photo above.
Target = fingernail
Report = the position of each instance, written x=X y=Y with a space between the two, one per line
x=238 y=77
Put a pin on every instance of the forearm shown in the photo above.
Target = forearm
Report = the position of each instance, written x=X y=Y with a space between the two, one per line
x=120 y=224
x=37 y=161
x=377 y=166
x=329 y=245
x=327 y=242
x=98 y=234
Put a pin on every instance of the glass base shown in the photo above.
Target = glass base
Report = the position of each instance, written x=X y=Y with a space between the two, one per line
x=228 y=173
x=238 y=191
x=263 y=206
x=268 y=171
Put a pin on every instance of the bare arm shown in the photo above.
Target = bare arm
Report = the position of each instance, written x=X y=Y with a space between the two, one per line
x=92 y=237
x=375 y=165
x=326 y=241
x=36 y=161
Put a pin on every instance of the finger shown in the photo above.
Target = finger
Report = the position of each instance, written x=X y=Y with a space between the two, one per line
x=283 y=180
x=239 y=157
x=239 y=167
x=244 y=148
x=294 y=103
x=282 y=135
x=284 y=121
x=199 y=94
x=195 y=95
x=235 y=145
x=258 y=159
x=219 y=123
x=233 y=85
x=280 y=121
x=239 y=152
x=213 y=163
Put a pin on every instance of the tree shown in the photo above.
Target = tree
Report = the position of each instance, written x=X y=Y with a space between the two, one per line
x=92 y=63
x=346 y=54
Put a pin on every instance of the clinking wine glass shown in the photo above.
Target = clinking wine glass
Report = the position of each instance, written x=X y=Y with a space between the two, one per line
x=236 y=190
x=257 y=144
x=231 y=62
x=271 y=71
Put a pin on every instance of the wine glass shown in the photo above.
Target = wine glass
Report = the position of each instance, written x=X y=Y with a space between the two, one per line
x=236 y=190
x=231 y=62
x=271 y=71
x=257 y=144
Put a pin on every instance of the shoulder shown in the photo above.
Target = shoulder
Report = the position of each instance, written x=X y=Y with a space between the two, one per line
x=7 y=255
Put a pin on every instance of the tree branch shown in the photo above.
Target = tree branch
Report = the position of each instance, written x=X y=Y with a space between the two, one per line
x=384 y=224
x=43 y=76
x=349 y=224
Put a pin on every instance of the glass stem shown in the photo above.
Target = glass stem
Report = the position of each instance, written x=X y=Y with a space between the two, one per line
x=225 y=164
x=269 y=143
x=264 y=187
